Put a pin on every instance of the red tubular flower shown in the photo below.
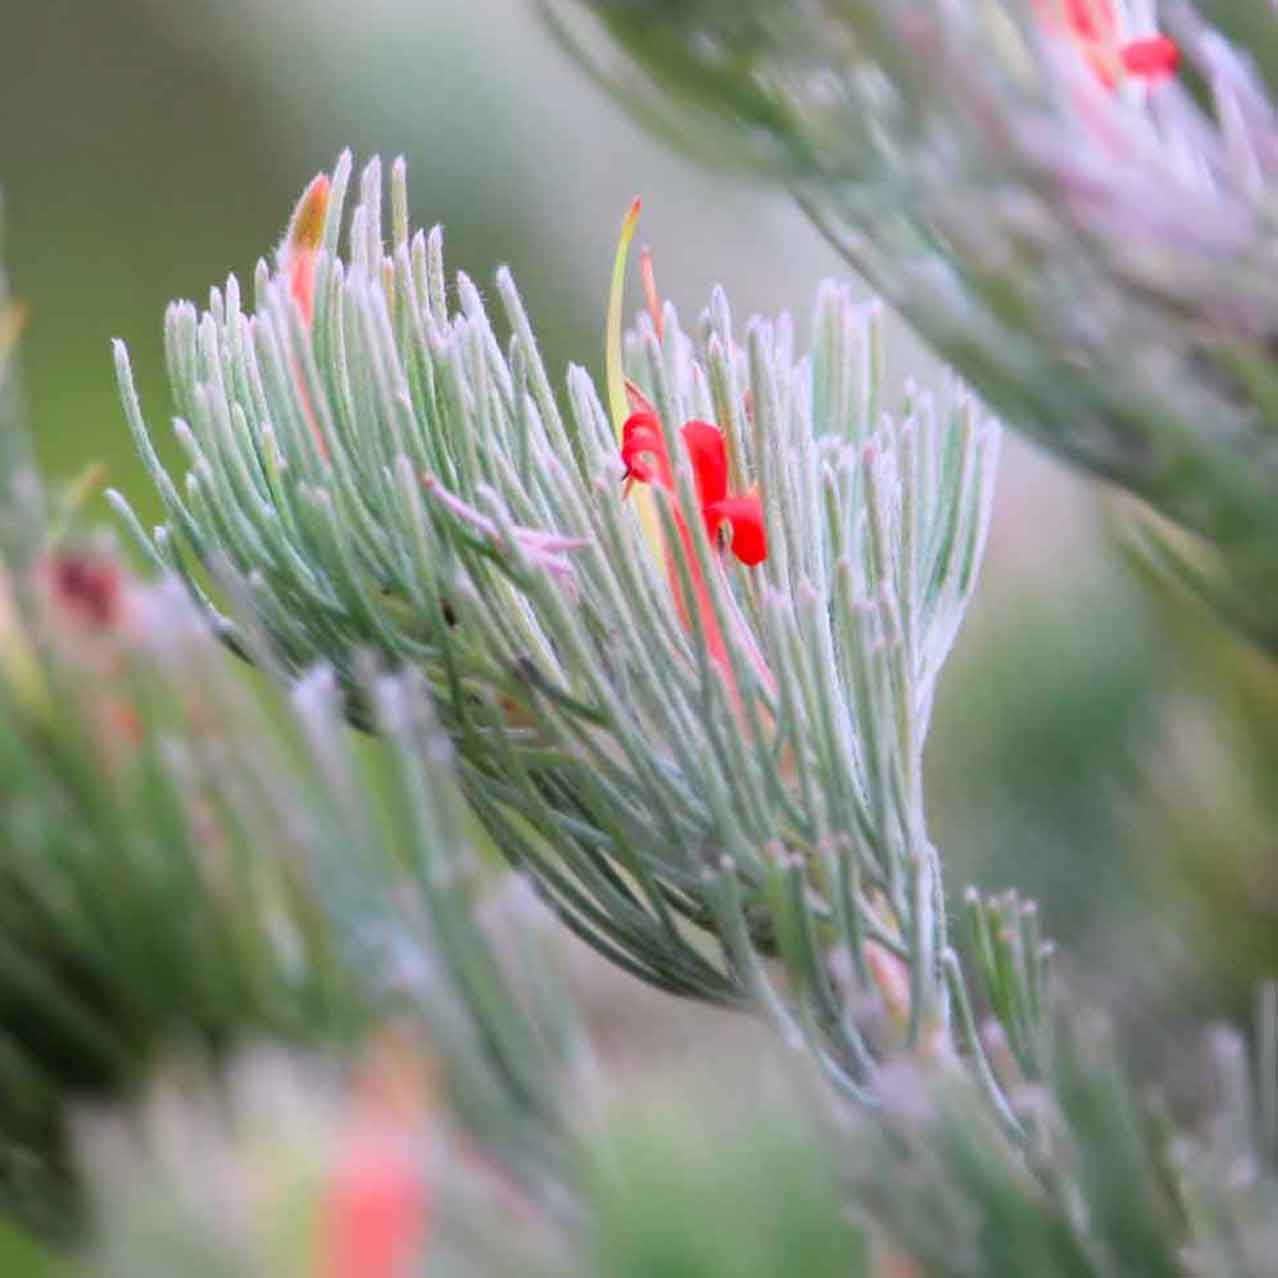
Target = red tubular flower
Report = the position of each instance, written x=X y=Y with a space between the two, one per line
x=643 y=450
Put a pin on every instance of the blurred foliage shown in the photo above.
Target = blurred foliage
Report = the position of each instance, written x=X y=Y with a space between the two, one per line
x=666 y=1209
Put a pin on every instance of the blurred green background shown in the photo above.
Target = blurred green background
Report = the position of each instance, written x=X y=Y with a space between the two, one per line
x=1098 y=746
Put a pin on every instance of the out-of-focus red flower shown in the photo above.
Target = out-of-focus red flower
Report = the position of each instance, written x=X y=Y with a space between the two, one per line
x=84 y=590
x=1094 y=27
x=376 y=1212
x=86 y=611
x=1154 y=58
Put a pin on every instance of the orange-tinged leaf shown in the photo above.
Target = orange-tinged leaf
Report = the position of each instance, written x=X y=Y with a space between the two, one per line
x=306 y=227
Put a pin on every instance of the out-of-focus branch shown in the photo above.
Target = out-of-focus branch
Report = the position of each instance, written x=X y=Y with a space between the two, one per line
x=1089 y=248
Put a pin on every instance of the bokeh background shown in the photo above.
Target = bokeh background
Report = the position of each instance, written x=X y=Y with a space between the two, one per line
x=1099 y=745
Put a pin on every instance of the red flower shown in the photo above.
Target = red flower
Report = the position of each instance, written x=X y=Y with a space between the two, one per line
x=375 y=1216
x=1092 y=20
x=643 y=450
x=1154 y=58
x=86 y=590
x=376 y=1211
x=1094 y=27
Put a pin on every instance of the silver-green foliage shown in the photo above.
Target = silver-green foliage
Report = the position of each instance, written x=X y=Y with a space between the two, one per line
x=399 y=477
